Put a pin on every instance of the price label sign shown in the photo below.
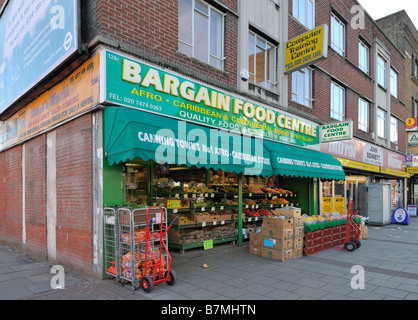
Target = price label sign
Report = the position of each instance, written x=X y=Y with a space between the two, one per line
x=208 y=244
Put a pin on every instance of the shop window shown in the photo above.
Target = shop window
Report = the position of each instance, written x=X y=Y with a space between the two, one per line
x=304 y=11
x=302 y=87
x=363 y=115
x=337 y=102
x=337 y=35
x=197 y=22
x=262 y=61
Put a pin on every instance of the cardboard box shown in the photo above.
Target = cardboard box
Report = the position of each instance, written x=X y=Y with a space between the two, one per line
x=277 y=234
x=278 y=224
x=279 y=244
x=298 y=242
x=256 y=243
x=290 y=211
x=299 y=231
x=363 y=230
x=281 y=255
x=297 y=221
x=297 y=252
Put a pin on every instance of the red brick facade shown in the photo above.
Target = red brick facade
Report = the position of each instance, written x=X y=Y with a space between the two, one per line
x=345 y=70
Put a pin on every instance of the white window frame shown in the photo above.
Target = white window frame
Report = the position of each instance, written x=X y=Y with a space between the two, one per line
x=393 y=83
x=303 y=95
x=394 y=130
x=363 y=57
x=337 y=34
x=381 y=71
x=210 y=11
x=304 y=13
x=337 y=107
x=363 y=115
x=381 y=123
x=269 y=84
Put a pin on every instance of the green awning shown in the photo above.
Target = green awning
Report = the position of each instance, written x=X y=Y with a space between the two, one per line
x=288 y=160
x=132 y=133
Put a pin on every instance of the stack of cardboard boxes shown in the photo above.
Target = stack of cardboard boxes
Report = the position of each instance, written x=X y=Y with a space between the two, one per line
x=281 y=237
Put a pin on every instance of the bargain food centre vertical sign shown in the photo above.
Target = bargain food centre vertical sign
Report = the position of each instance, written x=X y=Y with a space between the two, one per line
x=306 y=49
x=36 y=36
x=133 y=83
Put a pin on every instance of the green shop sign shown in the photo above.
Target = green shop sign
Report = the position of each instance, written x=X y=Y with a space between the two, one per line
x=132 y=83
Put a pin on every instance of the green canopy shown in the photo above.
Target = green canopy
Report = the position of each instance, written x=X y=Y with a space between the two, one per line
x=132 y=133
x=288 y=160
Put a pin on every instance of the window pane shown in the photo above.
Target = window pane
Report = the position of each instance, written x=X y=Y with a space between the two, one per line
x=260 y=63
x=310 y=15
x=302 y=12
x=216 y=34
x=381 y=71
x=251 y=56
x=202 y=7
x=185 y=21
x=393 y=83
x=200 y=37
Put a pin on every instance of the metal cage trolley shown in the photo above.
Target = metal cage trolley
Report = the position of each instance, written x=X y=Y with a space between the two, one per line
x=136 y=247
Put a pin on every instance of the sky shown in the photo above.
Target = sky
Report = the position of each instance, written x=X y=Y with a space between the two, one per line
x=381 y=8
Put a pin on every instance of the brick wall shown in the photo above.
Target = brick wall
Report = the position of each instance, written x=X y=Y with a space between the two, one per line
x=35 y=197
x=11 y=196
x=74 y=193
x=345 y=71
x=151 y=28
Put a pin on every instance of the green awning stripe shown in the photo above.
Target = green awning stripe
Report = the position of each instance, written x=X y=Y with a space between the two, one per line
x=132 y=133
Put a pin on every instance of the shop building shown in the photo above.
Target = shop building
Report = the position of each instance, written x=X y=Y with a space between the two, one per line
x=361 y=81
x=403 y=33
x=137 y=109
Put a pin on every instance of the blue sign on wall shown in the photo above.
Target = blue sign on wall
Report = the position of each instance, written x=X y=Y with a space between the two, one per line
x=36 y=36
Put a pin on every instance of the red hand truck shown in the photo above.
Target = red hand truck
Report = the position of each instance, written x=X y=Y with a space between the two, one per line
x=352 y=230
x=146 y=281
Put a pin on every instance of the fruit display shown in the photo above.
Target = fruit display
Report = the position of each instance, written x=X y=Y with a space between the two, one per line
x=251 y=189
x=276 y=190
x=257 y=213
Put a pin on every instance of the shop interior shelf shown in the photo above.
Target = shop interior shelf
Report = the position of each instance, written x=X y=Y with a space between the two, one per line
x=194 y=245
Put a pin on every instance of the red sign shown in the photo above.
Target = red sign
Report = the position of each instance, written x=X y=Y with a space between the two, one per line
x=411 y=124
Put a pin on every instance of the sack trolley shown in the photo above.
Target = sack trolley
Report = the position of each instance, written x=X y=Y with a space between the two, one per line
x=352 y=230
x=146 y=281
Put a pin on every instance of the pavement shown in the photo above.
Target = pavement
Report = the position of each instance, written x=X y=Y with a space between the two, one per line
x=387 y=261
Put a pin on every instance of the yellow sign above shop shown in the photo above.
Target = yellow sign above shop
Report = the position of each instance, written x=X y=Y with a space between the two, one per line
x=358 y=165
x=306 y=49
x=412 y=170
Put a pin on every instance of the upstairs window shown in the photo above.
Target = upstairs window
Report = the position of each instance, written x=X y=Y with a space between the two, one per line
x=302 y=87
x=304 y=11
x=262 y=61
x=393 y=83
x=381 y=71
x=363 y=57
x=337 y=35
x=381 y=123
x=337 y=102
x=363 y=115
x=394 y=130
x=201 y=30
